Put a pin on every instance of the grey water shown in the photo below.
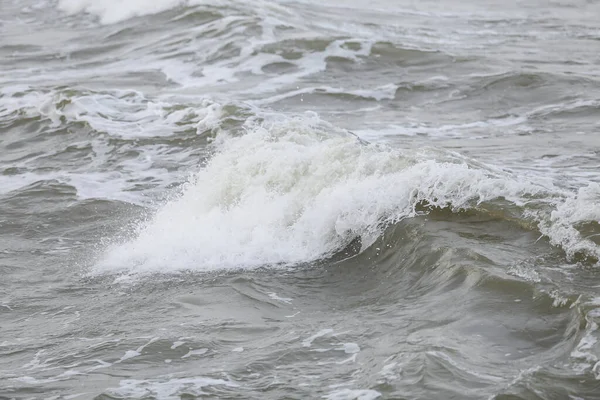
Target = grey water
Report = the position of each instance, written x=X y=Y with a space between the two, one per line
x=294 y=199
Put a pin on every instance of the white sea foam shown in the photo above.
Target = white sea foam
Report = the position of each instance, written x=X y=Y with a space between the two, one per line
x=308 y=342
x=197 y=352
x=293 y=190
x=350 y=348
x=111 y=11
x=166 y=388
x=353 y=394
x=561 y=227
x=121 y=113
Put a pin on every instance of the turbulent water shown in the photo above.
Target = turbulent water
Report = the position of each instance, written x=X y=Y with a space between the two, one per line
x=294 y=199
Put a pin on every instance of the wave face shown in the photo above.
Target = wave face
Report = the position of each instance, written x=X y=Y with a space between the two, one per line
x=292 y=191
x=299 y=199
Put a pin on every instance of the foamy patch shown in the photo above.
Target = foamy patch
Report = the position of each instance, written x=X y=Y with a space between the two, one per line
x=197 y=352
x=292 y=191
x=561 y=227
x=324 y=332
x=166 y=387
x=111 y=11
x=128 y=114
x=350 y=348
x=353 y=394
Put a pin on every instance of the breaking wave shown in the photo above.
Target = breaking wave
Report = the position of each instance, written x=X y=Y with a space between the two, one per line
x=295 y=190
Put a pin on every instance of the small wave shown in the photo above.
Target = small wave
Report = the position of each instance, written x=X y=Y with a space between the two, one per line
x=118 y=113
x=119 y=141
x=295 y=190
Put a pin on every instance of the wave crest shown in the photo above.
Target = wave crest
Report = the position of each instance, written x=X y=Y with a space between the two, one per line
x=296 y=190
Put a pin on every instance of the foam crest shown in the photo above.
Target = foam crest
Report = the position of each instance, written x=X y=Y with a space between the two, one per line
x=292 y=191
x=112 y=11
x=579 y=209
x=121 y=113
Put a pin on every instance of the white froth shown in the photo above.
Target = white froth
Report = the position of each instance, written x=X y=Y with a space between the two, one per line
x=197 y=352
x=123 y=114
x=350 y=394
x=293 y=191
x=351 y=348
x=274 y=296
x=129 y=354
x=308 y=342
x=127 y=114
x=176 y=344
x=111 y=11
x=561 y=227
x=166 y=388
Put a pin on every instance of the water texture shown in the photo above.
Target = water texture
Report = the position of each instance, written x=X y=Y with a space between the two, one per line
x=292 y=199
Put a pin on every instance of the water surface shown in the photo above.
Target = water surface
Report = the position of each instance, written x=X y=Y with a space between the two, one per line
x=299 y=199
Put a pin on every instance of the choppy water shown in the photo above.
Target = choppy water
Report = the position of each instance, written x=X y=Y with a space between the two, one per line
x=299 y=199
